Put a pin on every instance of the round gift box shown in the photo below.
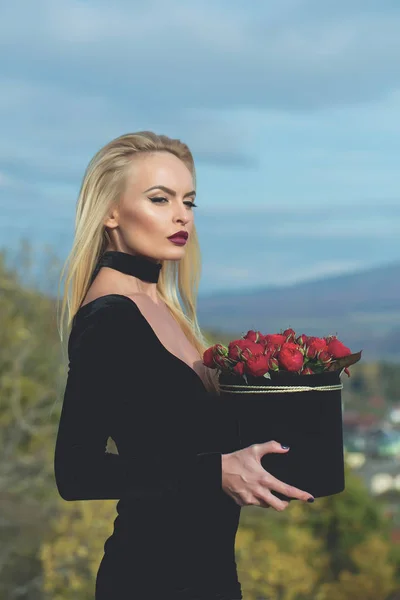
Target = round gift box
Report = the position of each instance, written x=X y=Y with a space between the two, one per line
x=300 y=411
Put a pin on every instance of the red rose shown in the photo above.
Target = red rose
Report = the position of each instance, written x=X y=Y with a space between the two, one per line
x=311 y=352
x=290 y=357
x=253 y=336
x=272 y=350
x=325 y=357
x=208 y=358
x=238 y=368
x=252 y=349
x=318 y=343
x=220 y=360
x=337 y=349
x=307 y=371
x=302 y=339
x=290 y=335
x=221 y=349
x=275 y=339
x=243 y=349
x=234 y=347
x=273 y=364
x=257 y=365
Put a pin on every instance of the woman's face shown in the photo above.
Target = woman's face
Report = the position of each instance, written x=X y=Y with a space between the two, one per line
x=156 y=203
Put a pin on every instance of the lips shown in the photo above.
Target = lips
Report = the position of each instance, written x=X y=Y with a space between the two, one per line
x=182 y=235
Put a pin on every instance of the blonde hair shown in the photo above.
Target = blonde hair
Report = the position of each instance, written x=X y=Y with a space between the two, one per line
x=102 y=185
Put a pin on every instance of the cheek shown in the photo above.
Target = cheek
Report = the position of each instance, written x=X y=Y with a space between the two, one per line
x=152 y=221
x=149 y=220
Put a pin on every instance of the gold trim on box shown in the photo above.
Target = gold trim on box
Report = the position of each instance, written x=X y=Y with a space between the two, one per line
x=281 y=389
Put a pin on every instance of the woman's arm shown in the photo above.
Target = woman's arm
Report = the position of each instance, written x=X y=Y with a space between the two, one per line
x=106 y=359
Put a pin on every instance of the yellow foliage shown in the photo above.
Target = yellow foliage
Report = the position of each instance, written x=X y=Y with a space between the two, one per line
x=375 y=578
x=268 y=570
x=70 y=560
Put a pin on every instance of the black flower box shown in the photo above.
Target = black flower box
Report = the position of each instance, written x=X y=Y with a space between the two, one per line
x=304 y=417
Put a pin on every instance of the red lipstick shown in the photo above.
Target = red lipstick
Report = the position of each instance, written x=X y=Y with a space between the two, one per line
x=180 y=237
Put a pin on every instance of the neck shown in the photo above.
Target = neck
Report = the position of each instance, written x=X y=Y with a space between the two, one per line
x=143 y=287
x=143 y=272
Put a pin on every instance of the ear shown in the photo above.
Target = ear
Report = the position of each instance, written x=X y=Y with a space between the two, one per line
x=112 y=219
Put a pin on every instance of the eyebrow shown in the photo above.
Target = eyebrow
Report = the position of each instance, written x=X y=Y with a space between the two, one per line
x=169 y=191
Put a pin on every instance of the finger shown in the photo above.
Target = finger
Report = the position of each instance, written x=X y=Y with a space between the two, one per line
x=266 y=498
x=262 y=503
x=270 y=446
x=284 y=488
x=259 y=497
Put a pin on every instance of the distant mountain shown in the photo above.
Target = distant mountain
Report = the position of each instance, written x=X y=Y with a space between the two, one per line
x=362 y=308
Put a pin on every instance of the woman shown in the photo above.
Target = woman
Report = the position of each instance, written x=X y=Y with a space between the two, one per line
x=136 y=375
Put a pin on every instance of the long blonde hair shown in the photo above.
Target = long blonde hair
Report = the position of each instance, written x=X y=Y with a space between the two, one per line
x=102 y=185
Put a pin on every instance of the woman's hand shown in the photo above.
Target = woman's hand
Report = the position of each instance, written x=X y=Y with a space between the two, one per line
x=248 y=483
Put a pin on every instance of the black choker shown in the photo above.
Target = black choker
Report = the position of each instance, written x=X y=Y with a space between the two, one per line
x=131 y=264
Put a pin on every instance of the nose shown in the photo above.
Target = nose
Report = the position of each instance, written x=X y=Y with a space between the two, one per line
x=182 y=216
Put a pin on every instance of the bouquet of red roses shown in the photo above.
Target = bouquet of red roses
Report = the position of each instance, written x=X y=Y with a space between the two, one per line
x=258 y=355
x=287 y=388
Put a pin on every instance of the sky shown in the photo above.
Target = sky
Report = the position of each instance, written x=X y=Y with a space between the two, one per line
x=291 y=110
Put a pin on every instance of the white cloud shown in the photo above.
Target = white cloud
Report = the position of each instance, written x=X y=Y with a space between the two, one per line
x=210 y=55
x=77 y=74
x=281 y=273
x=318 y=270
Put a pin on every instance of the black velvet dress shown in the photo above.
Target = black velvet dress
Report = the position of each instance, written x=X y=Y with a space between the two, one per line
x=174 y=533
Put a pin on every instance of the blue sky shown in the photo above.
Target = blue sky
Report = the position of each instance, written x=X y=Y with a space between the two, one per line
x=291 y=109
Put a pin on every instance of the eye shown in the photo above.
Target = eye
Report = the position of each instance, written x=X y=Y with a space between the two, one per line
x=158 y=198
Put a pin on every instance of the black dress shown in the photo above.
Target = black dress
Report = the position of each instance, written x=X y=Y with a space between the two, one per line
x=174 y=533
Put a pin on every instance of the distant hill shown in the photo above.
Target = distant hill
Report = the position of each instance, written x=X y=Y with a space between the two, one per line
x=362 y=308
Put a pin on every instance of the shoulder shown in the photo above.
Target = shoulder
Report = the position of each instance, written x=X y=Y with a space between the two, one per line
x=104 y=320
x=105 y=309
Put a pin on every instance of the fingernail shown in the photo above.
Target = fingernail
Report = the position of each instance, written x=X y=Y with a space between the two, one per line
x=311 y=500
x=285 y=447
